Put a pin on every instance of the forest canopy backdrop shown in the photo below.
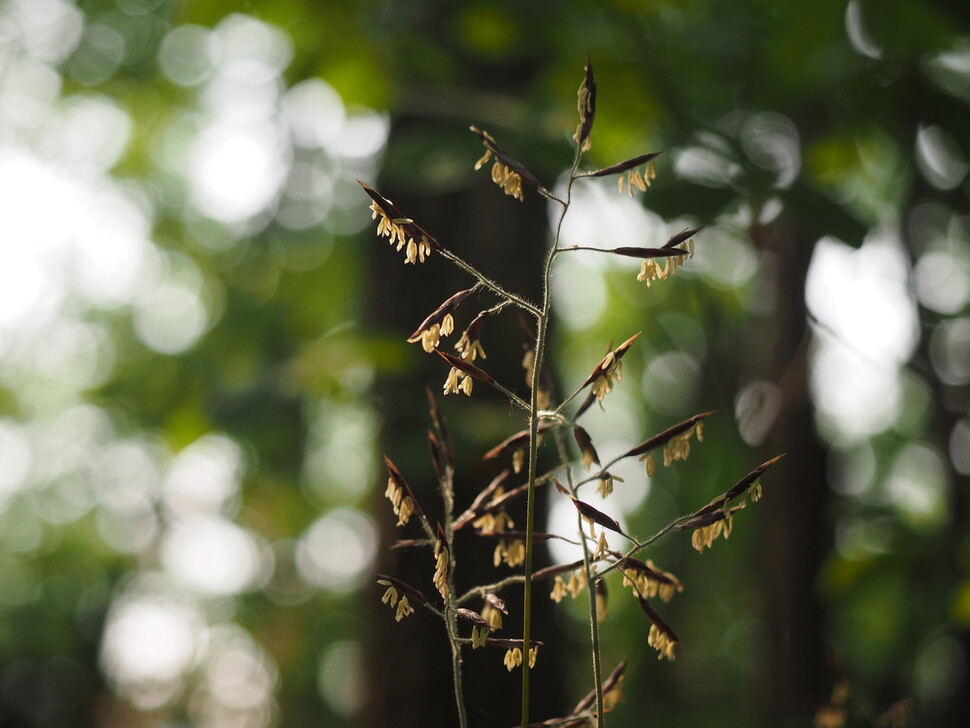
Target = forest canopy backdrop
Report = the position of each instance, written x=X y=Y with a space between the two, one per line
x=203 y=356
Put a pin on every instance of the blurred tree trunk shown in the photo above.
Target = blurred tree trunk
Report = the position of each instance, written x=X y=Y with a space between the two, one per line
x=795 y=535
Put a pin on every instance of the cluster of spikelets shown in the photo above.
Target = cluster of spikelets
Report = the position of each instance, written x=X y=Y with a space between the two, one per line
x=488 y=513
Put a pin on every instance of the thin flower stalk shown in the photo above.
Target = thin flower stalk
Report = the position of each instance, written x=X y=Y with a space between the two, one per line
x=586 y=445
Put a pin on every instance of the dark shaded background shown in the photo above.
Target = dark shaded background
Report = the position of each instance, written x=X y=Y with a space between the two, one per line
x=200 y=369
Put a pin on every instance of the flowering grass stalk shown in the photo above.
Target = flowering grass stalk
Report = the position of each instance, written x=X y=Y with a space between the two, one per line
x=488 y=512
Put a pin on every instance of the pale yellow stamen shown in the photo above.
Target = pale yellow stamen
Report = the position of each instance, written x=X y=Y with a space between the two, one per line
x=661 y=642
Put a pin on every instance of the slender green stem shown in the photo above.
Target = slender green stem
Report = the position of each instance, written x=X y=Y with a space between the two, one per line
x=604 y=469
x=451 y=608
x=456 y=668
x=481 y=591
x=541 y=335
x=490 y=284
x=594 y=630
x=513 y=397
x=572 y=248
x=639 y=546
x=570 y=398
x=543 y=325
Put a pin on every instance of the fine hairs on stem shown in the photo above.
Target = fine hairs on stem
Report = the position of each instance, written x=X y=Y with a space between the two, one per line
x=578 y=467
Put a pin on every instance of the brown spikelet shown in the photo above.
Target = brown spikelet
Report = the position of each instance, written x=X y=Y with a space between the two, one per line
x=393 y=213
x=537 y=536
x=645 y=253
x=436 y=317
x=495 y=602
x=662 y=626
x=680 y=237
x=437 y=455
x=404 y=587
x=394 y=474
x=738 y=488
x=629 y=562
x=608 y=684
x=587 y=107
x=587 y=403
x=707 y=518
x=467 y=367
x=597 y=516
x=473 y=617
x=441 y=426
x=661 y=439
x=608 y=361
x=585 y=443
x=477 y=507
x=626 y=166
x=551 y=571
x=514 y=442
x=505 y=158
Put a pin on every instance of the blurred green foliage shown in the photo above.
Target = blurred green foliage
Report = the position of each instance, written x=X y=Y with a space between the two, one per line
x=189 y=420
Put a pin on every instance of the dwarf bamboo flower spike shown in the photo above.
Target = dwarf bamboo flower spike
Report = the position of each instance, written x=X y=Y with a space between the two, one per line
x=661 y=637
x=439 y=322
x=612 y=694
x=715 y=519
x=577 y=582
x=647 y=580
x=394 y=598
x=602 y=547
x=398 y=229
x=634 y=177
x=480 y=627
x=683 y=243
x=441 y=564
x=515 y=445
x=586 y=103
x=558 y=590
x=608 y=369
x=493 y=611
x=591 y=516
x=639 y=180
x=661 y=642
x=506 y=172
x=513 y=658
x=391 y=597
x=511 y=551
x=586 y=447
x=488 y=513
x=400 y=494
x=503 y=176
x=679 y=446
x=479 y=637
x=605 y=486
x=711 y=525
x=468 y=346
x=680 y=431
x=461 y=375
x=458 y=381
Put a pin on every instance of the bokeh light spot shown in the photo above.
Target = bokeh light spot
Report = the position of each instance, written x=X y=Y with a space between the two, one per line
x=341 y=678
x=337 y=550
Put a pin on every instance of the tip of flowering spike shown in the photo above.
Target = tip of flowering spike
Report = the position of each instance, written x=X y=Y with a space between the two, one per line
x=628 y=343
